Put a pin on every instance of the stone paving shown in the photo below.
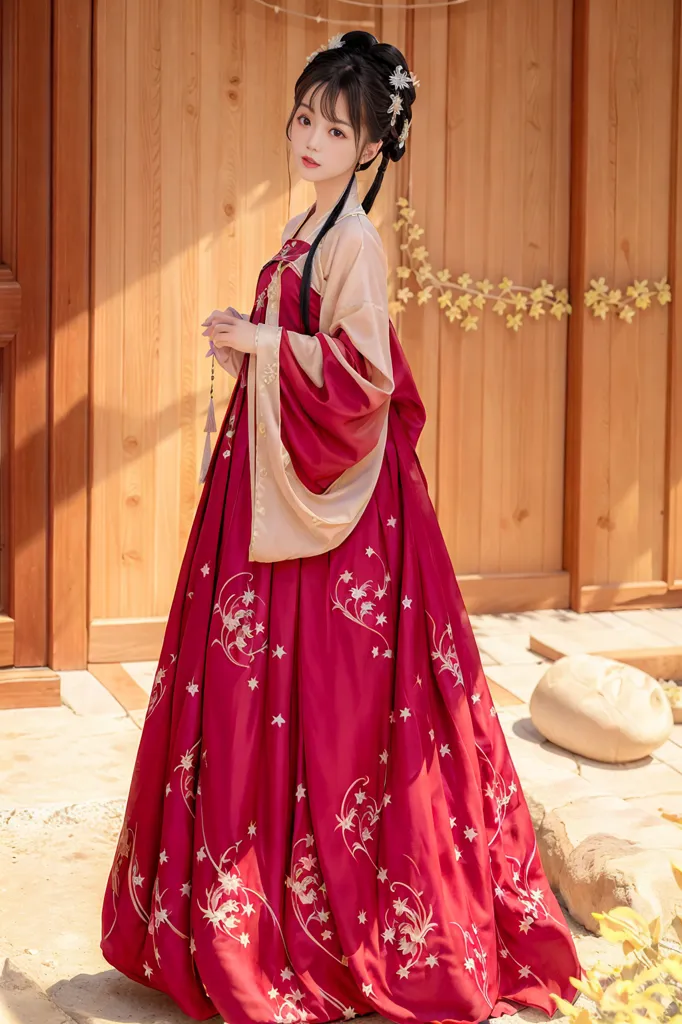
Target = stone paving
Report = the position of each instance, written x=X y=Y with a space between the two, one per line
x=64 y=776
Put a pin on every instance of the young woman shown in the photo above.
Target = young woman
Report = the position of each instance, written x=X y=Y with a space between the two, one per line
x=324 y=820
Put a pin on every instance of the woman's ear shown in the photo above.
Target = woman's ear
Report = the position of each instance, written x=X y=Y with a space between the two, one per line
x=370 y=151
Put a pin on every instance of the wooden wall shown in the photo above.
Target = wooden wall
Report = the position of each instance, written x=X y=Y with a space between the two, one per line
x=544 y=144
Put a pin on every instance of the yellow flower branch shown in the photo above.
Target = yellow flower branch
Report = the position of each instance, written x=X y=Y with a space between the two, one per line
x=463 y=299
x=603 y=300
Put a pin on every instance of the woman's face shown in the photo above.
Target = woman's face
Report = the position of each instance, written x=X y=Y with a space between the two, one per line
x=326 y=149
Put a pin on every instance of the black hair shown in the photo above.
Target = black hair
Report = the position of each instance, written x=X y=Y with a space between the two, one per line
x=360 y=68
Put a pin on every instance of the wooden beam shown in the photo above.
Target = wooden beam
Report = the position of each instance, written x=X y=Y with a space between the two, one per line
x=644 y=594
x=672 y=542
x=573 y=481
x=28 y=442
x=514 y=593
x=70 y=363
x=29 y=688
x=121 y=686
x=114 y=640
x=636 y=647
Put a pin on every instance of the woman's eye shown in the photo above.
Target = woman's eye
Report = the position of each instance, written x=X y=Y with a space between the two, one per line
x=303 y=117
x=340 y=135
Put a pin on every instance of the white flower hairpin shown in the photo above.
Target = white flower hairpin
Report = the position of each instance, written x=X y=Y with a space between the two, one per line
x=401 y=79
x=334 y=43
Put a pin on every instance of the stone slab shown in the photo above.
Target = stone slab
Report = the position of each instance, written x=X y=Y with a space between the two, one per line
x=510 y=649
x=520 y=680
x=70 y=760
x=22 y=1001
x=85 y=695
x=639 y=778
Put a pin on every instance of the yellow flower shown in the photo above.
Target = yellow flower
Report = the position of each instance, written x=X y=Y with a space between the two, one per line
x=520 y=301
x=443 y=275
x=414 y=233
x=591 y=297
x=537 y=310
x=404 y=295
x=615 y=296
x=514 y=322
x=537 y=295
x=562 y=296
x=600 y=286
x=557 y=310
x=453 y=313
x=500 y=307
x=638 y=288
x=479 y=302
x=484 y=286
x=403 y=272
x=420 y=253
x=408 y=214
x=464 y=301
x=470 y=323
x=627 y=313
x=404 y=246
x=397 y=224
x=547 y=288
x=643 y=301
x=424 y=295
x=445 y=299
x=664 y=292
x=506 y=285
x=600 y=309
x=465 y=280
x=403 y=202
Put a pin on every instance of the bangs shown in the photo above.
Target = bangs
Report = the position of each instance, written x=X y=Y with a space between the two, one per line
x=326 y=89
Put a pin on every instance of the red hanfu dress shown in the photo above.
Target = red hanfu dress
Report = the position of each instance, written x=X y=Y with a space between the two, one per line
x=324 y=820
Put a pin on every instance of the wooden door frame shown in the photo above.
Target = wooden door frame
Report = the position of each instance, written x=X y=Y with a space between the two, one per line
x=45 y=342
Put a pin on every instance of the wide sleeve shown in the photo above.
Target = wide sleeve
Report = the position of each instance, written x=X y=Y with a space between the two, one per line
x=320 y=402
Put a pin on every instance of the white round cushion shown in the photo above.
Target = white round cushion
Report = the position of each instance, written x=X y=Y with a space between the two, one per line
x=601 y=709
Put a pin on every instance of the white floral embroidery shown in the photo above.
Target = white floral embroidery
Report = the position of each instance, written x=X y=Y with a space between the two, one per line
x=309 y=896
x=444 y=652
x=358 y=821
x=475 y=958
x=159 y=688
x=187 y=768
x=358 y=601
x=240 y=635
x=412 y=921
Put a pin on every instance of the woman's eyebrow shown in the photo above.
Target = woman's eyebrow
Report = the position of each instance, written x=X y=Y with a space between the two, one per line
x=308 y=107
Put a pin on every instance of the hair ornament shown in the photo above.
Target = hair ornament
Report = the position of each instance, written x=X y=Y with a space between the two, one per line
x=334 y=43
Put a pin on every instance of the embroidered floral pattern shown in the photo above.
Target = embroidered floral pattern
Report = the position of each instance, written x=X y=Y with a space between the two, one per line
x=358 y=601
x=159 y=687
x=445 y=654
x=409 y=924
x=186 y=767
x=309 y=896
x=241 y=636
x=358 y=820
x=475 y=958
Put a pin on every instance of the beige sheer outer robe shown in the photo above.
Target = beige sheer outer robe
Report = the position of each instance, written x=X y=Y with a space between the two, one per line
x=349 y=273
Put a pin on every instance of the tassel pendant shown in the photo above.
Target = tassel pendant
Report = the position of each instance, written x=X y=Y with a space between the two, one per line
x=209 y=428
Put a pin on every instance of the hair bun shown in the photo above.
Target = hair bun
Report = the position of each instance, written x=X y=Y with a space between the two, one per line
x=358 y=41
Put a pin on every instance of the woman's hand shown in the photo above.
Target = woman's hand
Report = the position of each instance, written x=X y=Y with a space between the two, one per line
x=229 y=330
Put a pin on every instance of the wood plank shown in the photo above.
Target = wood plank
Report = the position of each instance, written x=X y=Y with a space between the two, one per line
x=633 y=646
x=514 y=593
x=115 y=640
x=70 y=358
x=29 y=441
x=650 y=593
x=121 y=686
x=29 y=688
x=10 y=307
x=6 y=640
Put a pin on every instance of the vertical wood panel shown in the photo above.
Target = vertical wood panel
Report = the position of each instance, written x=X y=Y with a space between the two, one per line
x=619 y=530
x=502 y=401
x=70 y=363
x=28 y=486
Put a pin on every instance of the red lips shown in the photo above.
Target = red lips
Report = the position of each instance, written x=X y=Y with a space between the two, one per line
x=310 y=162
